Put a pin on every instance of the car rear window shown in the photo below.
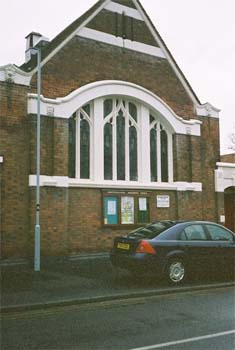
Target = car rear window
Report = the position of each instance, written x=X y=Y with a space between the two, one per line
x=152 y=230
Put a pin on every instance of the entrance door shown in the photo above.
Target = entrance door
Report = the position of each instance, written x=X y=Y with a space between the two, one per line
x=229 y=208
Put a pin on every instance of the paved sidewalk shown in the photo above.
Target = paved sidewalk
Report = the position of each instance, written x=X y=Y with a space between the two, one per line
x=83 y=279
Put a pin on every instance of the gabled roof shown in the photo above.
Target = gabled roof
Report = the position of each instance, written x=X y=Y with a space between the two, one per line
x=68 y=33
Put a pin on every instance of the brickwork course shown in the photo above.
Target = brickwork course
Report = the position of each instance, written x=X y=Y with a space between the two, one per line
x=72 y=217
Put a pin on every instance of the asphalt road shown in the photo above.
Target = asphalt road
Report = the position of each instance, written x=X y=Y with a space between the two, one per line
x=192 y=321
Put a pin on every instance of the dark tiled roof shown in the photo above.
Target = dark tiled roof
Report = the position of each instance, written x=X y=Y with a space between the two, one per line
x=60 y=38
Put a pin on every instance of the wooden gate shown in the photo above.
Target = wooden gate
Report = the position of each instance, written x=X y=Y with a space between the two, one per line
x=229 y=208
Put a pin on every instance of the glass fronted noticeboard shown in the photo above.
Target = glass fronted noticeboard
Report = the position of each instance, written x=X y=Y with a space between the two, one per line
x=110 y=210
x=121 y=209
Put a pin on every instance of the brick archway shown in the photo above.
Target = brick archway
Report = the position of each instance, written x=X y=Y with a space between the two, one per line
x=229 y=207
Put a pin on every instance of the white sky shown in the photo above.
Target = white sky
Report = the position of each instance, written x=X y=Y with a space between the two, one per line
x=199 y=33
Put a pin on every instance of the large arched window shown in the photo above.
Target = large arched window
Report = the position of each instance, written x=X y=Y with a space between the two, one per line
x=159 y=159
x=120 y=140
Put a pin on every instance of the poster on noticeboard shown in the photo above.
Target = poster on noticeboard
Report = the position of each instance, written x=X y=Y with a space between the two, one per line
x=127 y=210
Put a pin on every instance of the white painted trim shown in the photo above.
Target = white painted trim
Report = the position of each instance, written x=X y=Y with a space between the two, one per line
x=159 y=156
x=144 y=146
x=224 y=176
x=63 y=181
x=64 y=107
x=118 y=41
x=13 y=74
x=170 y=157
x=57 y=181
x=115 y=146
x=77 y=145
x=118 y=8
x=225 y=165
x=207 y=110
x=98 y=144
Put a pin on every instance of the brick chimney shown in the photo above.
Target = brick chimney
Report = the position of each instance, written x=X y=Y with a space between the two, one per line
x=31 y=40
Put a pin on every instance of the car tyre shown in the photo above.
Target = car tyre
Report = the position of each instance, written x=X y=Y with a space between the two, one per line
x=176 y=271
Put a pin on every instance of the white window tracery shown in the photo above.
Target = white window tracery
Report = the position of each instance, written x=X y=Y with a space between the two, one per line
x=121 y=141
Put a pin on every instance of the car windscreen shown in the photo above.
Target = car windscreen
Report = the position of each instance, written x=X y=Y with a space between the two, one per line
x=150 y=231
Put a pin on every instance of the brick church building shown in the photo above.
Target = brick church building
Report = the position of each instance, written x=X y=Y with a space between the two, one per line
x=124 y=138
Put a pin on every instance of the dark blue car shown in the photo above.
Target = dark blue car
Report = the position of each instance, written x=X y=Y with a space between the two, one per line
x=175 y=249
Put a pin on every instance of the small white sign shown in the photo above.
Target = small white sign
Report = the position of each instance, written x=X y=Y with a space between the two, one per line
x=222 y=218
x=163 y=201
x=111 y=208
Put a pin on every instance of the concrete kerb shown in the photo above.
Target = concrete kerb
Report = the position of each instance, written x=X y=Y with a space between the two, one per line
x=113 y=297
x=47 y=261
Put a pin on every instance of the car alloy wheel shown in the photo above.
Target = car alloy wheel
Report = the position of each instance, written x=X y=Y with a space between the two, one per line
x=176 y=271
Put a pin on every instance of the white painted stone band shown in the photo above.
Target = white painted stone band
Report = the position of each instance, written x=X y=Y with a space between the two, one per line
x=118 y=8
x=224 y=176
x=64 y=181
x=118 y=41
x=65 y=107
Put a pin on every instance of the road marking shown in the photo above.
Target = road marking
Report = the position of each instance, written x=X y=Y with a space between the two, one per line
x=163 y=345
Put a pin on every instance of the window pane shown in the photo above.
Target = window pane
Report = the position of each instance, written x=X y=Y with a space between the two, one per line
x=108 y=107
x=218 y=233
x=164 y=156
x=120 y=146
x=195 y=233
x=127 y=210
x=133 y=153
x=84 y=149
x=133 y=111
x=151 y=119
x=183 y=236
x=108 y=152
x=153 y=154
x=87 y=109
x=72 y=147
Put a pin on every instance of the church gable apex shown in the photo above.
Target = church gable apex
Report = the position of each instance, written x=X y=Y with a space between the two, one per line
x=122 y=23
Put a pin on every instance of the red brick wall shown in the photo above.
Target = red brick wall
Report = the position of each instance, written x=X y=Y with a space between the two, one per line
x=95 y=61
x=71 y=219
x=210 y=155
x=228 y=158
x=53 y=220
x=15 y=169
x=194 y=159
x=54 y=146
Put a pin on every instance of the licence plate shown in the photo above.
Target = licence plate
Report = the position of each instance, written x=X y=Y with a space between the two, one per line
x=125 y=246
